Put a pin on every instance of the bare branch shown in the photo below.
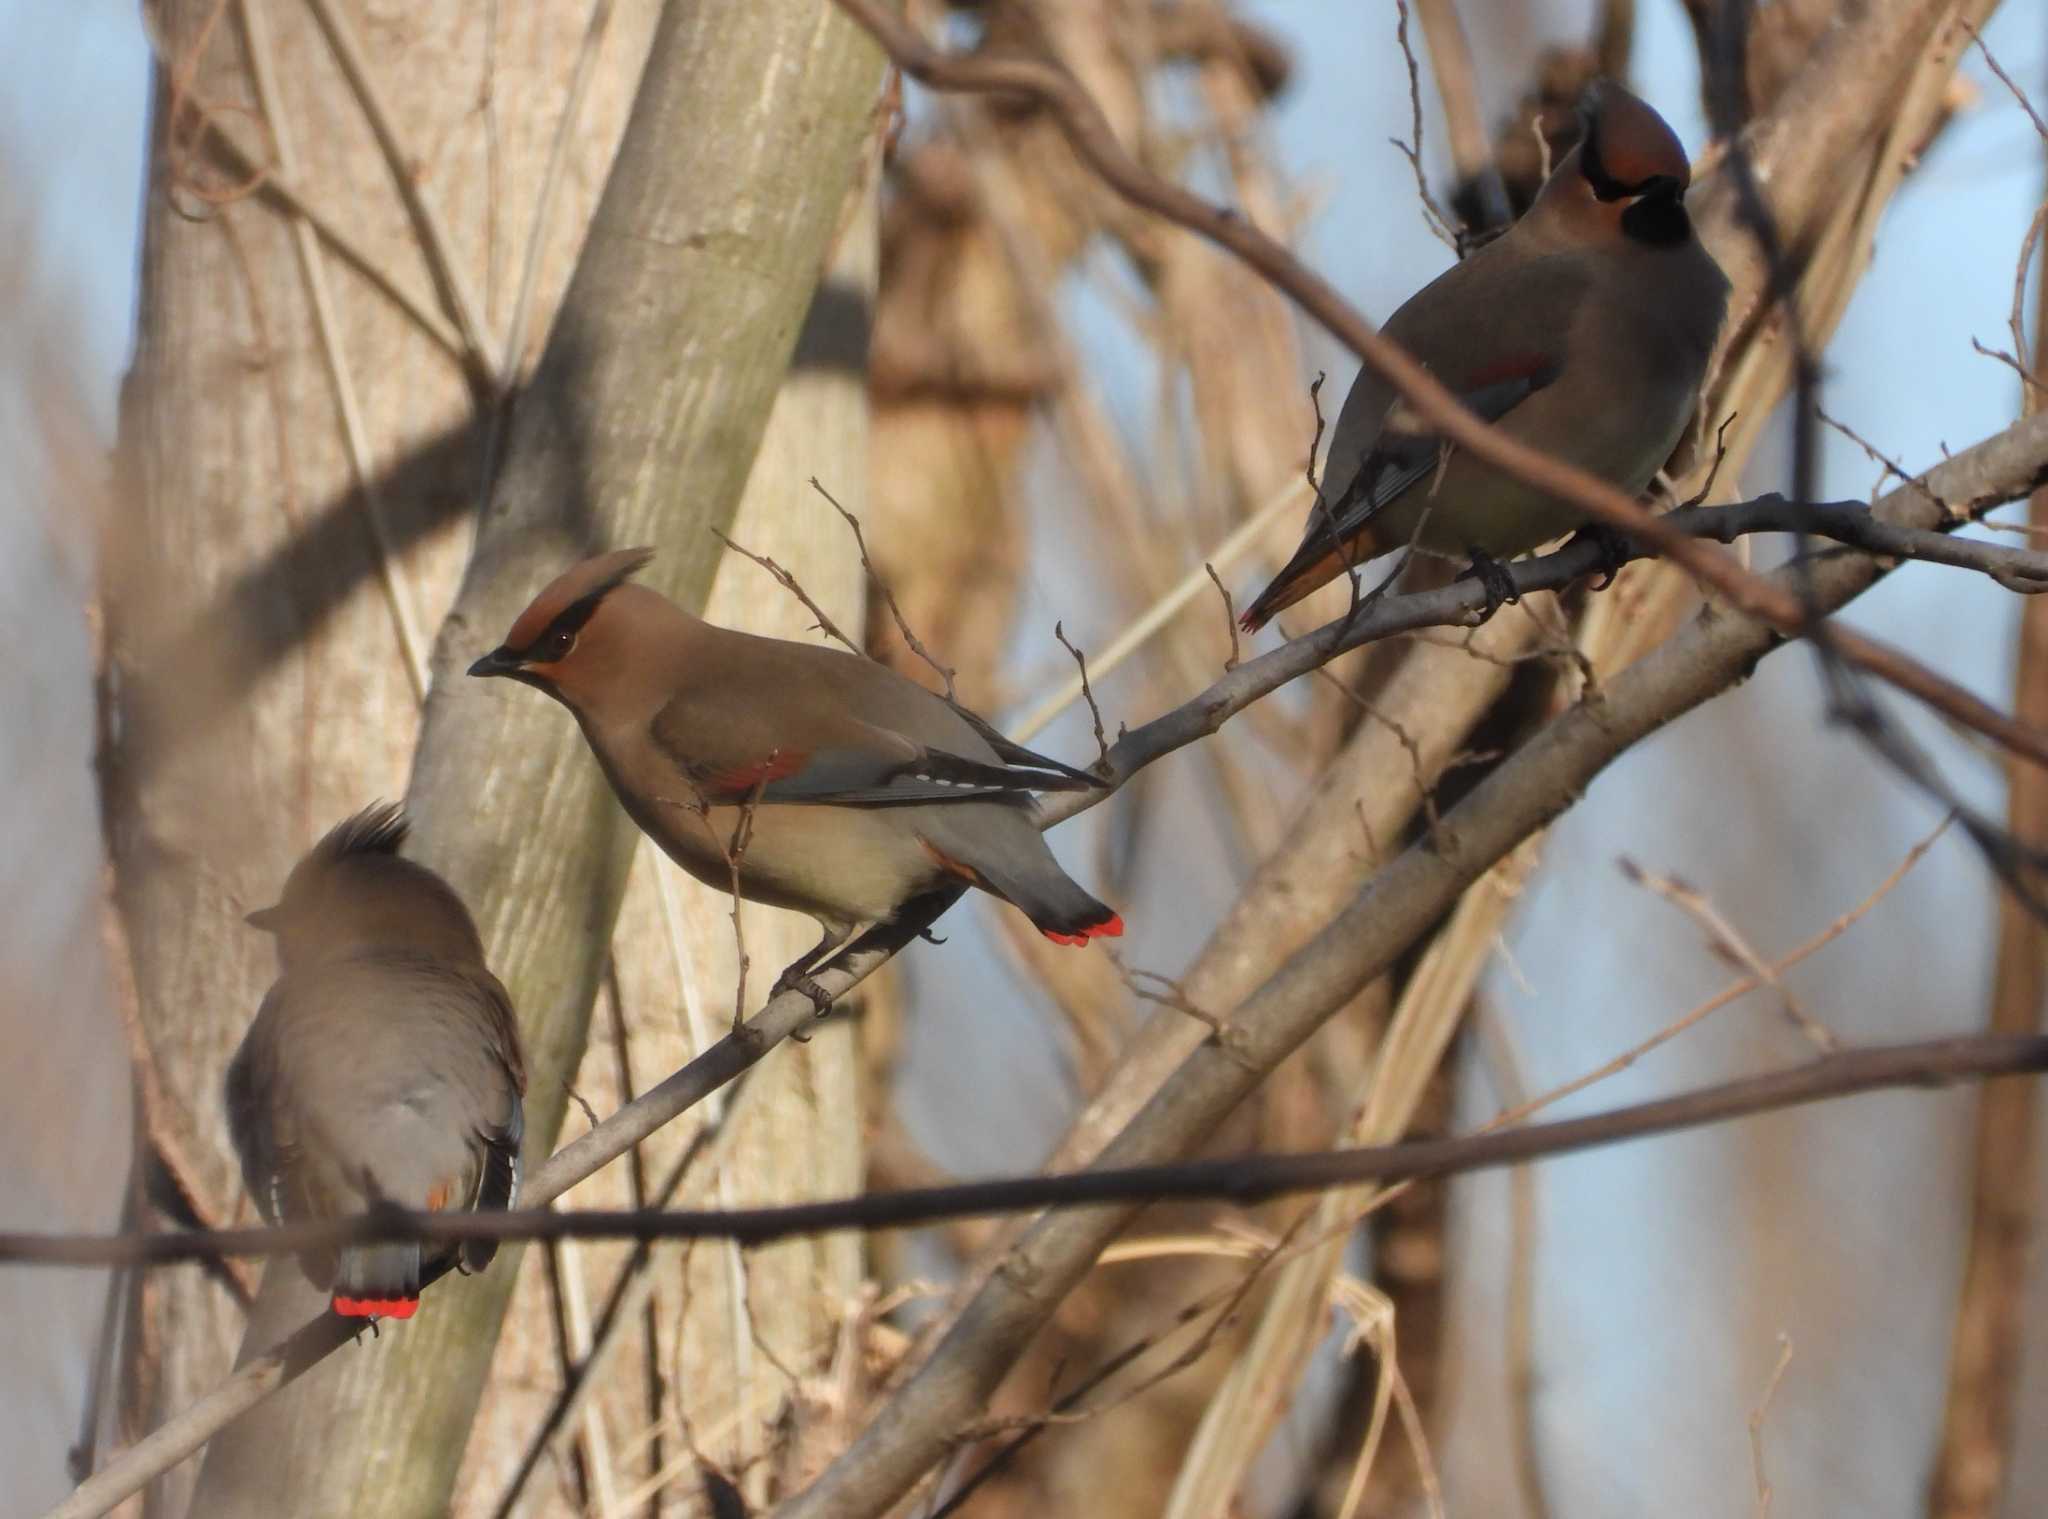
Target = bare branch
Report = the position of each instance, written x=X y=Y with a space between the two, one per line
x=1240 y=1179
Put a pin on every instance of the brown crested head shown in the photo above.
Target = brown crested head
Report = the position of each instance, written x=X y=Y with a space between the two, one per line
x=353 y=891
x=591 y=638
x=1628 y=174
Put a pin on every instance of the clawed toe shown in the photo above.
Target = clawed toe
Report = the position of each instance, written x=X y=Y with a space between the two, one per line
x=1494 y=580
x=1613 y=547
x=796 y=979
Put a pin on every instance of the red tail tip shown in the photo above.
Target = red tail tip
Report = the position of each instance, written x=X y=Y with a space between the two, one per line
x=376 y=1307
x=1111 y=927
x=1251 y=622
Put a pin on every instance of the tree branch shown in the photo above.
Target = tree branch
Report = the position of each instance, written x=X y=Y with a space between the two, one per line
x=1244 y=1179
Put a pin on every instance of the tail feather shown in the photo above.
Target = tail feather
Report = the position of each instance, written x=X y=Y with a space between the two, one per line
x=499 y=1189
x=1313 y=566
x=1004 y=853
x=1111 y=927
x=378 y=1281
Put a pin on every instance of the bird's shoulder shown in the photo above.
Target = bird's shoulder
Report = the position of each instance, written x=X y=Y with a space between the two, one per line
x=756 y=697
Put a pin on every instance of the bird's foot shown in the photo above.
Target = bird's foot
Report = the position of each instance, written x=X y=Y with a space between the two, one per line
x=1494 y=580
x=799 y=979
x=929 y=937
x=1614 y=547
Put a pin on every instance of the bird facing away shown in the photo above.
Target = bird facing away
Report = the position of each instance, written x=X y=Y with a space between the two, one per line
x=1583 y=330
x=822 y=781
x=383 y=1066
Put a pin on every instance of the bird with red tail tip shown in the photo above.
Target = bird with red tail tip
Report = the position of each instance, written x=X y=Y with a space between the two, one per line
x=1583 y=330
x=383 y=1068
x=831 y=784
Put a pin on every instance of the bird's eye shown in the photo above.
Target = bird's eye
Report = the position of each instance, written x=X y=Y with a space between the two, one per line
x=555 y=646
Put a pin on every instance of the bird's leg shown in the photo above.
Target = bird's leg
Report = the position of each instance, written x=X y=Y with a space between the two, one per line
x=1494 y=579
x=798 y=976
x=1615 y=548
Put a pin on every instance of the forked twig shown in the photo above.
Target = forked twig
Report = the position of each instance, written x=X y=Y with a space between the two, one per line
x=1229 y=615
x=910 y=639
x=790 y=584
x=1087 y=695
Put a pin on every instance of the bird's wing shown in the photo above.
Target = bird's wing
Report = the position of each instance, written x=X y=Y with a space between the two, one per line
x=1405 y=453
x=804 y=746
x=255 y=1136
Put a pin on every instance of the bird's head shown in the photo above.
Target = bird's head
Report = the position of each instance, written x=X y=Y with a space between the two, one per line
x=1627 y=176
x=578 y=638
x=353 y=891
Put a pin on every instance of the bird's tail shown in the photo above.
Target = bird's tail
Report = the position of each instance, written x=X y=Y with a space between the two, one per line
x=1313 y=566
x=378 y=1281
x=1012 y=861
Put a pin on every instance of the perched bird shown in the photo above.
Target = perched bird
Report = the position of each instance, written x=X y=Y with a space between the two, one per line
x=1584 y=330
x=383 y=1066
x=815 y=779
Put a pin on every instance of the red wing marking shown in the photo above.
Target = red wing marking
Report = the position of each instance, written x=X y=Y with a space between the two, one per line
x=1517 y=366
x=742 y=779
x=948 y=864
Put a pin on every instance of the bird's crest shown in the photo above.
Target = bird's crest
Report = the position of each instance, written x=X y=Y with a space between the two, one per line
x=379 y=828
x=578 y=589
x=1628 y=146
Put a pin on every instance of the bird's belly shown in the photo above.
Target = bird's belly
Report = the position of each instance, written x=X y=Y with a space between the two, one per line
x=841 y=865
x=1476 y=507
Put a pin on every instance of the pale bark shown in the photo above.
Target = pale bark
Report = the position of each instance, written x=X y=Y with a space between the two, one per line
x=640 y=425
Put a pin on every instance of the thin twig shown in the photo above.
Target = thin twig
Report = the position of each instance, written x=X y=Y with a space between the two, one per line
x=2040 y=126
x=790 y=584
x=1432 y=214
x=1087 y=695
x=1726 y=941
x=1229 y=616
x=1140 y=630
x=910 y=639
x=1756 y=1426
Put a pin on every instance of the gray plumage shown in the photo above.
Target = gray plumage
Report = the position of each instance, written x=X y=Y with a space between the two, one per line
x=383 y=1065
x=1584 y=330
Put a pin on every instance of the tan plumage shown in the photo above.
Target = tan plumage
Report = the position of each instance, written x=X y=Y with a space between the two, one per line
x=1584 y=330
x=853 y=788
x=383 y=1066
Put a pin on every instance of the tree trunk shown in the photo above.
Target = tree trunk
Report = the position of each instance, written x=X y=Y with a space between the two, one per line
x=293 y=697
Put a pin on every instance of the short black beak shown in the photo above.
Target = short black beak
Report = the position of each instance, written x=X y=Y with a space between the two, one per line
x=264 y=918
x=500 y=661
